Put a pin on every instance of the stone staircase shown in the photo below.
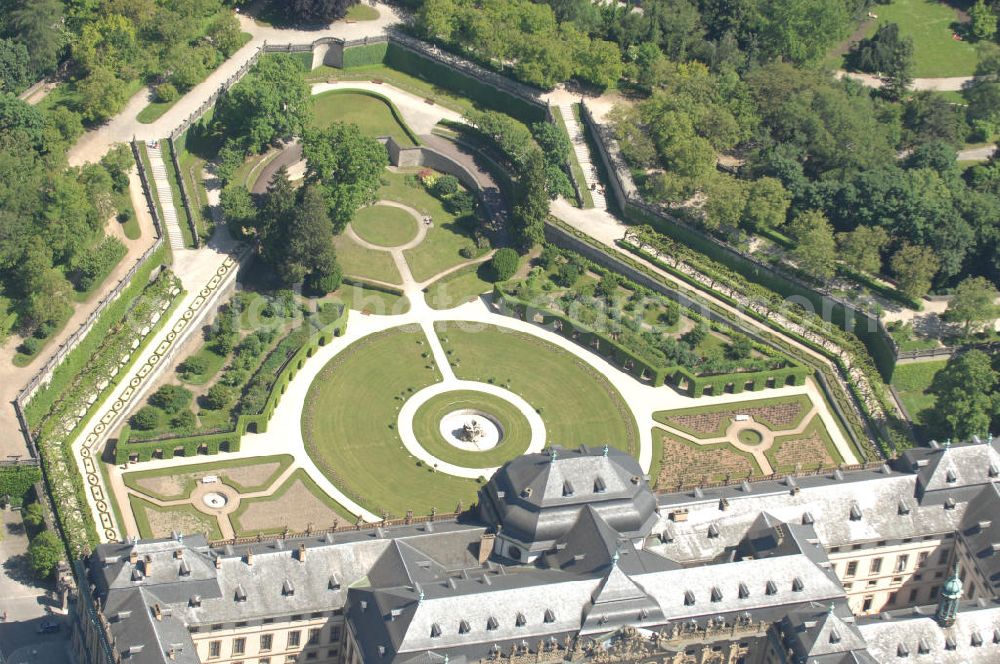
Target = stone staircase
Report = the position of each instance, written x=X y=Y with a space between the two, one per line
x=163 y=194
x=583 y=156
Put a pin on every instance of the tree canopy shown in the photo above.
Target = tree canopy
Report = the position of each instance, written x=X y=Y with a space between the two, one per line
x=346 y=166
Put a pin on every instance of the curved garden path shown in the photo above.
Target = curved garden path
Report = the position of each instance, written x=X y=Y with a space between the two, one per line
x=453 y=384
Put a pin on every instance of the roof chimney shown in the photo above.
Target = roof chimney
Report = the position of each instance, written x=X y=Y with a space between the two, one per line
x=147 y=567
x=133 y=556
x=218 y=562
x=179 y=553
x=157 y=612
x=302 y=553
x=486 y=543
x=250 y=557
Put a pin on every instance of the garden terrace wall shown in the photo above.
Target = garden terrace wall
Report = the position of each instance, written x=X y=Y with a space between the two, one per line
x=643 y=370
x=416 y=58
x=869 y=329
x=215 y=442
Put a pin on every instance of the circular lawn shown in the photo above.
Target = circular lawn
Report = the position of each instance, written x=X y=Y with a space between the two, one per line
x=384 y=225
x=514 y=440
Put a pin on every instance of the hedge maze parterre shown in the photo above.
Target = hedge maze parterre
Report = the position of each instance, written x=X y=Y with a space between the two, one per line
x=590 y=381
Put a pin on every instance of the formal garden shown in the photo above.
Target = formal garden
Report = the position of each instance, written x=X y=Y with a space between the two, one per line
x=390 y=370
x=736 y=441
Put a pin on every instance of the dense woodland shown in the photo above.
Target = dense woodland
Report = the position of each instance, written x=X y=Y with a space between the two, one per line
x=834 y=168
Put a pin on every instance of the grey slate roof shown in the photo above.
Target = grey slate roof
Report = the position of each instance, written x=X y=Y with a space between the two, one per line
x=976 y=623
x=418 y=594
x=536 y=498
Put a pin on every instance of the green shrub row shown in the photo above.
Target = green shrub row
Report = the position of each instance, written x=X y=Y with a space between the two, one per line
x=206 y=443
x=634 y=364
x=369 y=54
x=411 y=63
x=283 y=363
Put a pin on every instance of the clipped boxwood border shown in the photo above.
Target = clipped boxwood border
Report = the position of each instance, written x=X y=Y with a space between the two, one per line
x=212 y=443
x=631 y=363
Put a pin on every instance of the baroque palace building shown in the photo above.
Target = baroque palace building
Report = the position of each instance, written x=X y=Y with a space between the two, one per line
x=571 y=557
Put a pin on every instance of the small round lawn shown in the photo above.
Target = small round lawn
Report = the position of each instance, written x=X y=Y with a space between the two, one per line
x=750 y=437
x=516 y=430
x=384 y=225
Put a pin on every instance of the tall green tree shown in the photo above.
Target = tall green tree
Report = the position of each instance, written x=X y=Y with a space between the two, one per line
x=304 y=246
x=967 y=395
x=914 y=267
x=531 y=208
x=346 y=165
x=973 y=303
x=815 y=249
x=766 y=204
x=44 y=553
x=15 y=66
x=983 y=20
x=271 y=103
x=38 y=23
x=861 y=249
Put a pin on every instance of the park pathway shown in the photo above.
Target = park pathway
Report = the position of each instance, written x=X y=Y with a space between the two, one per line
x=125 y=126
x=582 y=152
x=165 y=197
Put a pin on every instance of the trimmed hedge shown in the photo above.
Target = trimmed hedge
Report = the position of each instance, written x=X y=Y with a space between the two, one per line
x=360 y=56
x=408 y=62
x=253 y=422
x=632 y=363
x=17 y=479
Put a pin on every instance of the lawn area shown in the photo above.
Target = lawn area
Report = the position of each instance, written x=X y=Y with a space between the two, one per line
x=384 y=225
x=213 y=362
x=364 y=263
x=154 y=521
x=930 y=24
x=370 y=301
x=349 y=426
x=578 y=404
x=375 y=115
x=441 y=247
x=192 y=166
x=515 y=427
x=398 y=79
x=913 y=380
x=459 y=287
x=123 y=203
x=361 y=12
x=778 y=414
x=297 y=505
x=245 y=475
